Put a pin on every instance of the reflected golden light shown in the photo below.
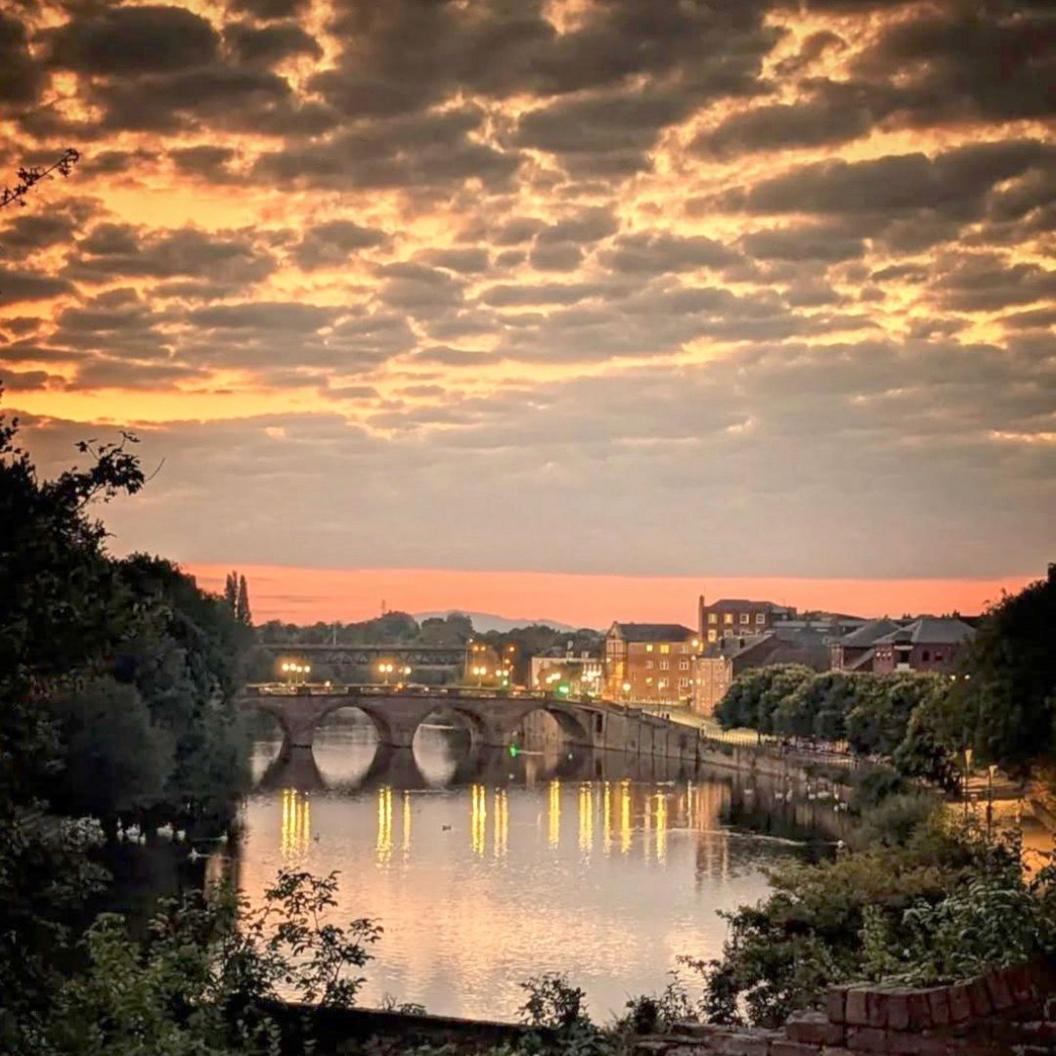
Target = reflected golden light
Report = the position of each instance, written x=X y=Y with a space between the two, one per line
x=296 y=832
x=406 y=824
x=661 y=826
x=606 y=810
x=478 y=818
x=554 y=813
x=586 y=818
x=501 y=834
x=384 y=842
x=625 y=817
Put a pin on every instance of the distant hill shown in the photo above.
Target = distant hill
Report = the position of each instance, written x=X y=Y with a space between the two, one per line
x=489 y=621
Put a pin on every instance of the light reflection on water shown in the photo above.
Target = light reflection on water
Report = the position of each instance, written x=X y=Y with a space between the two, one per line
x=605 y=869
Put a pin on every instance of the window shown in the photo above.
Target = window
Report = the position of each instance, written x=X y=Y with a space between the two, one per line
x=727 y=617
x=745 y=617
x=925 y=656
x=662 y=684
x=683 y=648
x=665 y=664
x=683 y=665
x=649 y=647
x=713 y=636
x=713 y=617
x=648 y=665
x=683 y=682
x=760 y=617
x=649 y=681
x=665 y=648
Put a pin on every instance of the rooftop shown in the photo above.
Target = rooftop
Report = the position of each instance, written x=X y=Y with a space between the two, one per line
x=931 y=630
x=866 y=635
x=651 y=632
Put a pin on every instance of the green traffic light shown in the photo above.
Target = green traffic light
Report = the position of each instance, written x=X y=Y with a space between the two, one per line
x=514 y=751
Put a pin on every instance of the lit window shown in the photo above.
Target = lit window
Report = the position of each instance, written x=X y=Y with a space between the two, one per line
x=649 y=681
x=665 y=648
x=713 y=636
x=713 y=617
x=727 y=617
x=648 y=648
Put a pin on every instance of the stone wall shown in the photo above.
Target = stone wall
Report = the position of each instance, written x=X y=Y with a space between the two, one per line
x=997 y=1014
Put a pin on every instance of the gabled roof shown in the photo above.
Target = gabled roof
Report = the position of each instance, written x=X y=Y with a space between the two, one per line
x=930 y=630
x=870 y=633
x=651 y=632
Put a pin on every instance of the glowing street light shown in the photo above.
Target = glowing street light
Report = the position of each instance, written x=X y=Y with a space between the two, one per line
x=385 y=669
x=480 y=671
x=292 y=669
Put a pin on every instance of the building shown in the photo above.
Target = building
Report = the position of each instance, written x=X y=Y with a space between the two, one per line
x=927 y=644
x=650 y=662
x=582 y=672
x=738 y=616
x=855 y=651
x=787 y=642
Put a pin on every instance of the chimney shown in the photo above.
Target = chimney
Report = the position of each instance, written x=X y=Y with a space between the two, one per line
x=700 y=615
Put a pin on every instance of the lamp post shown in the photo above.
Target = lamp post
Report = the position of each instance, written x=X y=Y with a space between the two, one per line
x=385 y=669
x=480 y=671
x=967 y=772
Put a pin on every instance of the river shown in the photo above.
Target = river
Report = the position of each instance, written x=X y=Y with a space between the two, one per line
x=485 y=871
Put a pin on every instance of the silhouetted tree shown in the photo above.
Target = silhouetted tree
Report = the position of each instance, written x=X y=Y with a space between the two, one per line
x=242 y=613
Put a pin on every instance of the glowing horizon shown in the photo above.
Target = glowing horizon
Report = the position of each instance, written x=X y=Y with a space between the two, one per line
x=310 y=595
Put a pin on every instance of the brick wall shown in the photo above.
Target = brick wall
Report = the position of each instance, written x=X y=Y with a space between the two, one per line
x=997 y=1014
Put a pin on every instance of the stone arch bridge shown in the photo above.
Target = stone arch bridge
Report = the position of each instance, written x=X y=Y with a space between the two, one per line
x=491 y=718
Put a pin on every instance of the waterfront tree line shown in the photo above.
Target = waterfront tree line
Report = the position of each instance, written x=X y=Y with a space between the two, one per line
x=1000 y=705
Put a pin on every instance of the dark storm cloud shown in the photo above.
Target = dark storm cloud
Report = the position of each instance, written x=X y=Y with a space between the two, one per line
x=946 y=191
x=207 y=162
x=975 y=61
x=265 y=315
x=657 y=254
x=106 y=372
x=331 y=244
x=21 y=77
x=821 y=242
x=24 y=284
x=121 y=250
x=989 y=283
x=132 y=40
x=267 y=45
x=419 y=152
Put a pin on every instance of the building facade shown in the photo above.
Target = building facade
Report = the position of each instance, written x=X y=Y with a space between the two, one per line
x=650 y=662
x=738 y=616
x=927 y=644
x=582 y=672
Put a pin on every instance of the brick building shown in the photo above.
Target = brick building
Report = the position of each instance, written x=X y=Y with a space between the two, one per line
x=856 y=651
x=582 y=672
x=737 y=616
x=927 y=644
x=650 y=661
x=787 y=642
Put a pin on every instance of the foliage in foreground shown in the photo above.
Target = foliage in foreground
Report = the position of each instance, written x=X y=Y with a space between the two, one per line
x=202 y=981
x=929 y=901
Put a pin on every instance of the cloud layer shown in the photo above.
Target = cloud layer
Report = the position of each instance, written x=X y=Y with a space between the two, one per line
x=673 y=288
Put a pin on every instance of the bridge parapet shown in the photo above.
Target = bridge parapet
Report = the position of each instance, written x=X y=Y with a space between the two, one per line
x=492 y=718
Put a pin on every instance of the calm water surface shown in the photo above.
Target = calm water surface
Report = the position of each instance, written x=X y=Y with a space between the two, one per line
x=484 y=872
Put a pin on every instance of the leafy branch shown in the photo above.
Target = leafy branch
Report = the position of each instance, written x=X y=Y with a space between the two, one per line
x=29 y=176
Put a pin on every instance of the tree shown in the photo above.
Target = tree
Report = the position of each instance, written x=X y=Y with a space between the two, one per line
x=231 y=591
x=1007 y=701
x=242 y=613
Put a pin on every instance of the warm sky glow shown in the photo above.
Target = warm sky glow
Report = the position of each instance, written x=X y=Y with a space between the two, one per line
x=662 y=293
x=308 y=595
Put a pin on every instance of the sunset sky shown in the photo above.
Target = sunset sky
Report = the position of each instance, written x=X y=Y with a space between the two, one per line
x=570 y=309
